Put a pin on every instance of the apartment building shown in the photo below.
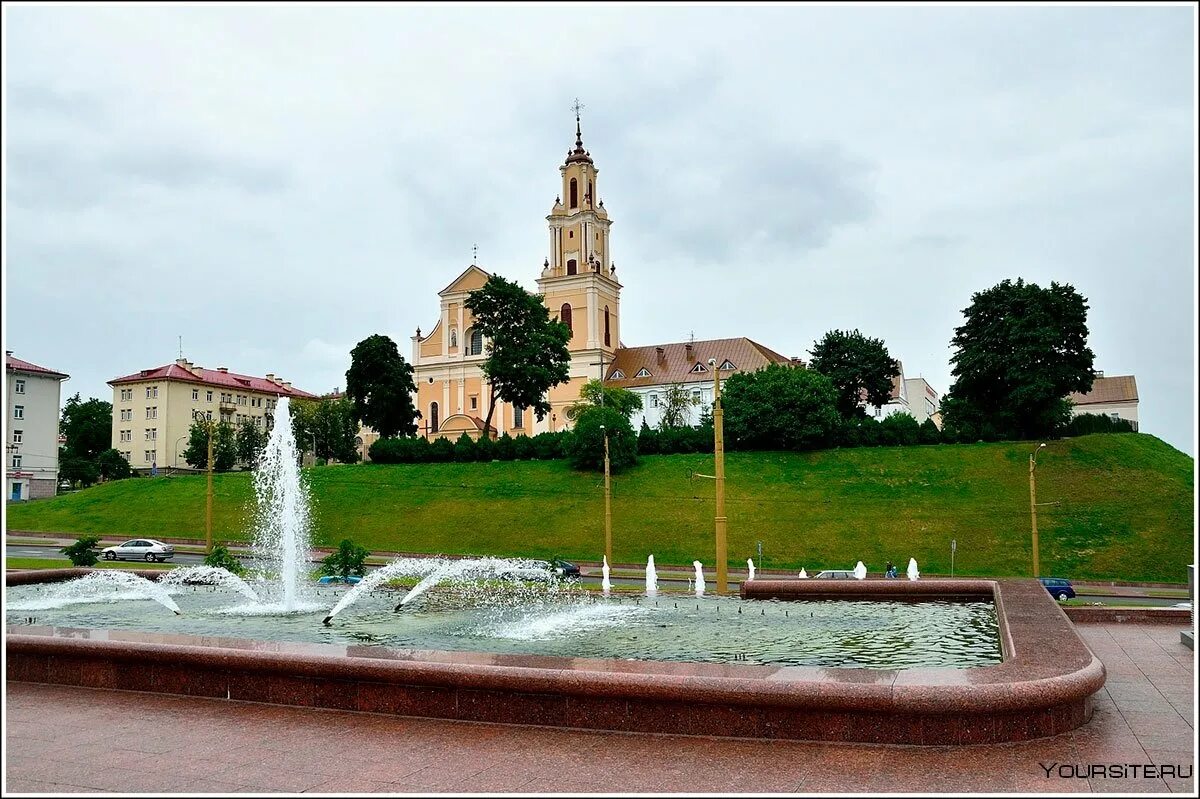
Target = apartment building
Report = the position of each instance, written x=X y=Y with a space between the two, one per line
x=153 y=409
x=32 y=406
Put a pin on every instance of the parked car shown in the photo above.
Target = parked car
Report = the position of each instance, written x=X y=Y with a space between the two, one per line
x=146 y=549
x=835 y=574
x=1059 y=588
x=564 y=568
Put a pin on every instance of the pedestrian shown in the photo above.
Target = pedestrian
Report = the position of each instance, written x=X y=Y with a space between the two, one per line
x=891 y=570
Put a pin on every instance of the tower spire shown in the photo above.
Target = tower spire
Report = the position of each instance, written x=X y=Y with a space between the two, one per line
x=578 y=154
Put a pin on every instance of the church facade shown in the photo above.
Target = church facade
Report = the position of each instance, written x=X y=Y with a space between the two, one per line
x=579 y=286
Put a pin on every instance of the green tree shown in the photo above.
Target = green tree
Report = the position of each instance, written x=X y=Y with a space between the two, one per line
x=76 y=469
x=329 y=424
x=87 y=426
x=349 y=559
x=676 y=407
x=859 y=368
x=83 y=551
x=225 y=451
x=900 y=430
x=1020 y=351
x=527 y=350
x=594 y=393
x=585 y=447
x=929 y=433
x=250 y=442
x=112 y=465
x=379 y=385
x=779 y=407
x=222 y=558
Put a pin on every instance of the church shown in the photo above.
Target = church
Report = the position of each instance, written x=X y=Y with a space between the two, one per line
x=579 y=285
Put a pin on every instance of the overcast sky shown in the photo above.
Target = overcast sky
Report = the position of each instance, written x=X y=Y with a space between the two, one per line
x=274 y=184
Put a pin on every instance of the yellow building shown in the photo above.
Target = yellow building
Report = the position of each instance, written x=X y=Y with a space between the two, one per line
x=153 y=409
x=578 y=283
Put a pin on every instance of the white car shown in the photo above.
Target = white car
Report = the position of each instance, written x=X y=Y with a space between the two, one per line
x=146 y=549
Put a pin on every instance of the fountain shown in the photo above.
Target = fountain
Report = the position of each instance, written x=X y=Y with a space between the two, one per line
x=860 y=571
x=207 y=575
x=605 y=585
x=750 y=566
x=803 y=574
x=99 y=586
x=699 y=577
x=912 y=569
x=651 y=577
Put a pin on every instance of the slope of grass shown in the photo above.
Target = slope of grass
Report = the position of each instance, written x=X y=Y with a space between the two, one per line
x=1125 y=508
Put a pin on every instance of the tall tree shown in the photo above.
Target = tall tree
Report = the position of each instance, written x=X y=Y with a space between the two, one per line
x=112 y=465
x=251 y=440
x=328 y=425
x=779 y=408
x=225 y=453
x=594 y=393
x=379 y=384
x=677 y=405
x=527 y=350
x=585 y=447
x=859 y=368
x=87 y=426
x=1021 y=350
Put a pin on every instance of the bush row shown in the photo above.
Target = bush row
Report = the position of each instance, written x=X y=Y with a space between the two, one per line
x=543 y=446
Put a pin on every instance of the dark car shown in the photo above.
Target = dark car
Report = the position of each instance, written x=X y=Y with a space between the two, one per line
x=1059 y=588
x=564 y=569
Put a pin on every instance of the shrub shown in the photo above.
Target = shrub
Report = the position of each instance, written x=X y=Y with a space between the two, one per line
x=779 y=407
x=549 y=446
x=523 y=448
x=441 y=450
x=586 y=446
x=112 y=465
x=485 y=449
x=504 y=449
x=464 y=449
x=222 y=558
x=899 y=430
x=1086 y=423
x=83 y=551
x=929 y=433
x=647 y=440
x=348 y=559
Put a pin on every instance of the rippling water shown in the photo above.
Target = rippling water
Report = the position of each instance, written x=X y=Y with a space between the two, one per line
x=845 y=634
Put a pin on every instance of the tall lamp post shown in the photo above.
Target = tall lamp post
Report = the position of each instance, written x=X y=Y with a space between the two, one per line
x=607 y=502
x=719 y=458
x=1033 y=507
x=209 y=426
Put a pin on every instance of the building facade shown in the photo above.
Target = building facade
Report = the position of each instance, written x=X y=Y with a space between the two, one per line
x=153 y=409
x=33 y=407
x=578 y=284
x=1115 y=396
x=911 y=395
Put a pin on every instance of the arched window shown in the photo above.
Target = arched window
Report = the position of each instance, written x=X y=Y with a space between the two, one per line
x=564 y=314
x=591 y=200
x=453 y=338
x=607 y=339
x=476 y=346
x=574 y=194
x=433 y=417
x=572 y=266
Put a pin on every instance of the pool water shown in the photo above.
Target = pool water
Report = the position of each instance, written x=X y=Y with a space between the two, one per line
x=571 y=623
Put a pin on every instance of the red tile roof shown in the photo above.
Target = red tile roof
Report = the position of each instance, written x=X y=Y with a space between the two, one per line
x=677 y=361
x=1122 y=388
x=213 y=377
x=17 y=365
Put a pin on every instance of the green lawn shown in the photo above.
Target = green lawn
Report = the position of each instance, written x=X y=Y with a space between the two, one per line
x=1125 y=513
x=53 y=563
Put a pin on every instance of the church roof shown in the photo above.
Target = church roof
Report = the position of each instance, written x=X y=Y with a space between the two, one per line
x=457 y=284
x=677 y=363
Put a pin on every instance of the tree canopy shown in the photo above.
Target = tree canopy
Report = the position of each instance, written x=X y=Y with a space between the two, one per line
x=225 y=453
x=676 y=408
x=527 y=350
x=1020 y=351
x=585 y=446
x=779 y=407
x=379 y=384
x=859 y=368
x=594 y=393
x=87 y=426
x=331 y=423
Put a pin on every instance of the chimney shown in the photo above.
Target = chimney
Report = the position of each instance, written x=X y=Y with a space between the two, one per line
x=8 y=353
x=660 y=352
x=287 y=384
x=270 y=377
x=1097 y=374
x=181 y=362
x=691 y=356
x=223 y=370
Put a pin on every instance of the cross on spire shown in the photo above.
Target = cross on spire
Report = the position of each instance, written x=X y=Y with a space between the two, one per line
x=474 y=255
x=577 y=107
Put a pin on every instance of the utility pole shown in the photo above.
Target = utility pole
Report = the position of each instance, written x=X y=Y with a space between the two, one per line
x=1033 y=508
x=607 y=502
x=719 y=458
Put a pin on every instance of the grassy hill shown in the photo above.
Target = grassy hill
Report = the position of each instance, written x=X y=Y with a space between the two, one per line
x=1126 y=508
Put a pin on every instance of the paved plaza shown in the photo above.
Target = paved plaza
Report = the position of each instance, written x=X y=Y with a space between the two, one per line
x=65 y=739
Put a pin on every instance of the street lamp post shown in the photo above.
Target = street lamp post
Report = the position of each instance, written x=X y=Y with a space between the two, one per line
x=719 y=458
x=607 y=501
x=1033 y=508
x=181 y=438
x=208 y=501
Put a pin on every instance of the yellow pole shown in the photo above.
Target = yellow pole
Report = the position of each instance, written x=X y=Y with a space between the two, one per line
x=1033 y=513
x=719 y=457
x=208 y=541
x=607 y=506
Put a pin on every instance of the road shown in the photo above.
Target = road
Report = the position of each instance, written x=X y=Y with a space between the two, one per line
x=190 y=559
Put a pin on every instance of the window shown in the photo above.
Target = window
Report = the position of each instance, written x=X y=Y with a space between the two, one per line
x=433 y=417
x=209 y=397
x=127 y=415
x=695 y=396
x=699 y=368
x=152 y=412
x=572 y=266
x=149 y=456
x=643 y=372
x=126 y=435
x=208 y=416
x=607 y=340
x=653 y=400
x=878 y=411
x=574 y=193
x=151 y=392
x=564 y=314
x=154 y=434
x=147 y=433
x=17 y=436
x=474 y=403
x=16 y=462
x=476 y=343
x=195 y=394
x=19 y=386
x=518 y=417
x=617 y=374
x=126 y=394
x=18 y=411
x=727 y=366
x=591 y=201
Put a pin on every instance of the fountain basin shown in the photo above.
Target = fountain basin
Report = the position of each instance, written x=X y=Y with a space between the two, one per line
x=1042 y=687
